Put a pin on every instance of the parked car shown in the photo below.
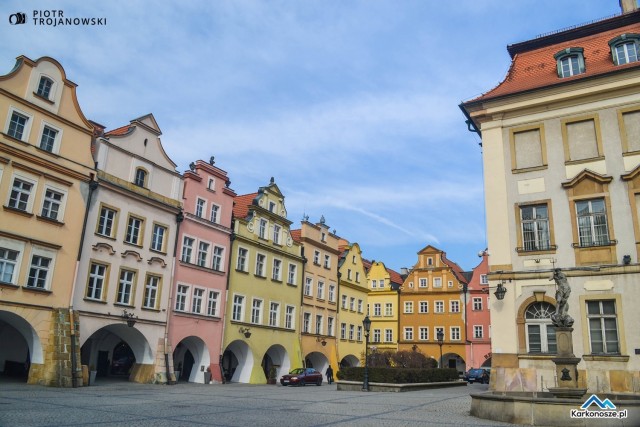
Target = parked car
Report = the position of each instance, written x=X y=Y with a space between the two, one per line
x=480 y=375
x=302 y=376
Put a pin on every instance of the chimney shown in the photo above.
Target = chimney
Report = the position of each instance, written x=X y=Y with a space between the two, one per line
x=628 y=5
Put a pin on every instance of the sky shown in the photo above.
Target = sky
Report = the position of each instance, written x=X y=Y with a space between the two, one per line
x=352 y=106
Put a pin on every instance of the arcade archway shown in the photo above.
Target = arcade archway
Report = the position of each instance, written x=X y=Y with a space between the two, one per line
x=191 y=358
x=26 y=349
x=237 y=362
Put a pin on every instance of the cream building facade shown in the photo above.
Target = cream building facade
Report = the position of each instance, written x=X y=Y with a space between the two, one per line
x=562 y=182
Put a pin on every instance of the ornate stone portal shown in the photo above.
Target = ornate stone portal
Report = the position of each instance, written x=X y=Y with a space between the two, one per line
x=566 y=362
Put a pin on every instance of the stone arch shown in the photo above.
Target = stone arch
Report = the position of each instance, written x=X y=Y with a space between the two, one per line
x=318 y=360
x=201 y=357
x=26 y=349
x=237 y=362
x=349 y=361
x=279 y=358
x=520 y=318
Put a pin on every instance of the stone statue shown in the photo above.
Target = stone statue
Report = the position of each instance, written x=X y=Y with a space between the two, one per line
x=561 y=317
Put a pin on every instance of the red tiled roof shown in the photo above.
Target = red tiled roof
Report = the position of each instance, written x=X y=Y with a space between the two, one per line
x=241 y=205
x=296 y=235
x=533 y=65
x=457 y=271
x=118 y=131
x=395 y=277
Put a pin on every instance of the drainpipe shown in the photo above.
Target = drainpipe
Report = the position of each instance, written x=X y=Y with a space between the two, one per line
x=232 y=238
x=179 y=219
x=93 y=185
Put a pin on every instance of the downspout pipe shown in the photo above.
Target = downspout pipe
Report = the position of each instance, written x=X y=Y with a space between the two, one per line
x=93 y=185
x=179 y=219
x=232 y=238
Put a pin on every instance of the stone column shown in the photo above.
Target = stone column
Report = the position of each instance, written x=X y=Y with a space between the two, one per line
x=566 y=366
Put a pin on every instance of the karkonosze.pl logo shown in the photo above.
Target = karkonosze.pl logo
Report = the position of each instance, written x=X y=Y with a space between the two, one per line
x=606 y=409
x=54 y=18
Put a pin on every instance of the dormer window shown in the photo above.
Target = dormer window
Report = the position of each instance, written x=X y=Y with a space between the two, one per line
x=570 y=62
x=44 y=87
x=624 y=48
x=140 y=178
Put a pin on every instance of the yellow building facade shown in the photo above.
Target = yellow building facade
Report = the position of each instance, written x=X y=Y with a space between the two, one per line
x=431 y=301
x=352 y=306
x=45 y=173
x=319 y=295
x=262 y=325
x=383 y=302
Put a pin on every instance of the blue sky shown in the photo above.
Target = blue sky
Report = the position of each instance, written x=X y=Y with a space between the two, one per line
x=352 y=106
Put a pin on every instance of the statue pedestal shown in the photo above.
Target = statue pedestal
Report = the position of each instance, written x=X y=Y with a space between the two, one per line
x=566 y=366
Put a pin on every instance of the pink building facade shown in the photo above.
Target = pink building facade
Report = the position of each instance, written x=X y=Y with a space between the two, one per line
x=199 y=293
x=478 y=317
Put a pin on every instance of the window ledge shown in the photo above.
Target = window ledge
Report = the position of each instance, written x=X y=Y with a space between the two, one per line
x=237 y=271
x=33 y=288
x=50 y=153
x=135 y=245
x=104 y=236
x=157 y=251
x=150 y=309
x=276 y=280
x=120 y=304
x=50 y=220
x=522 y=251
x=611 y=242
x=17 y=211
x=605 y=358
x=42 y=98
x=8 y=285
x=11 y=138
x=99 y=301
x=531 y=169
x=257 y=276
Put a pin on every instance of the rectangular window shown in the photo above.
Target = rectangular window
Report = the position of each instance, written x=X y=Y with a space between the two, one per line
x=343 y=331
x=134 y=231
x=351 y=332
x=106 y=222
x=274 y=314
x=478 y=331
x=352 y=304
x=388 y=309
x=181 y=297
x=187 y=248
x=196 y=301
x=306 y=322
x=424 y=306
x=212 y=303
x=359 y=333
x=218 y=256
x=318 y=324
x=20 y=193
x=308 y=286
x=360 y=303
x=125 y=286
x=203 y=254
x=260 y=259
x=276 y=234
x=211 y=184
x=48 y=139
x=276 y=273
x=477 y=304
x=262 y=229
x=374 y=284
x=439 y=306
x=256 y=311
x=408 y=307
x=332 y=293
x=17 y=125
x=454 y=306
x=51 y=206
x=376 y=335
x=330 y=331
x=215 y=213
x=243 y=254
x=377 y=309
x=238 y=308
x=381 y=283
x=8 y=262
x=97 y=276
x=289 y=317
x=344 y=302
x=630 y=122
x=437 y=282
x=291 y=277
x=535 y=227
x=200 y=208
x=592 y=222
x=423 y=283
x=316 y=257
x=44 y=87
x=408 y=333
x=455 y=333
x=388 y=335
x=320 y=293
x=151 y=289
x=581 y=140
x=357 y=277
x=157 y=240
x=327 y=261
x=424 y=333
x=528 y=149
x=484 y=280
x=603 y=327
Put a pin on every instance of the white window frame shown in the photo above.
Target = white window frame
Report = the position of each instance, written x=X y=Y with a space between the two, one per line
x=237 y=307
x=438 y=306
x=126 y=286
x=260 y=266
x=274 y=314
x=388 y=335
x=18 y=247
x=423 y=282
x=62 y=203
x=96 y=283
x=182 y=298
x=277 y=233
x=257 y=305
x=437 y=282
x=454 y=333
x=408 y=307
x=200 y=207
x=241 y=260
x=478 y=331
x=27 y=127
x=424 y=307
x=290 y=317
x=197 y=300
x=151 y=295
x=56 y=140
x=44 y=253
x=306 y=322
x=332 y=292
x=276 y=270
x=292 y=274
x=320 y=290
x=33 y=181
x=454 y=306
x=408 y=333
x=263 y=226
x=186 y=254
x=388 y=309
x=214 y=213
x=113 y=222
x=217 y=258
x=477 y=303
x=423 y=332
x=213 y=303
x=308 y=286
x=377 y=309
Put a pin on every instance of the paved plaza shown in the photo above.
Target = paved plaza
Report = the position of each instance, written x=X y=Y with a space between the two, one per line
x=130 y=404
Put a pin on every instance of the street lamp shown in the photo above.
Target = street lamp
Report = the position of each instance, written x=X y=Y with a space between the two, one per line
x=366 y=323
x=440 y=342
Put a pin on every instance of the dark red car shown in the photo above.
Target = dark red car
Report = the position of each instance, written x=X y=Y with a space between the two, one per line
x=302 y=376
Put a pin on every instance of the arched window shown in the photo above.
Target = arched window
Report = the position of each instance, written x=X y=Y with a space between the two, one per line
x=44 y=87
x=541 y=334
x=570 y=62
x=624 y=48
x=140 y=178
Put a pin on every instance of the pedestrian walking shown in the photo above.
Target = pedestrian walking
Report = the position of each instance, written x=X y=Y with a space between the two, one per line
x=329 y=375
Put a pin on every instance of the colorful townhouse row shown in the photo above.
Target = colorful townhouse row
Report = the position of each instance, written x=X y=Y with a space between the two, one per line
x=112 y=259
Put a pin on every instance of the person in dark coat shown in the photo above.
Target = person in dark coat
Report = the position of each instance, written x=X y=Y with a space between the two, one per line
x=329 y=374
